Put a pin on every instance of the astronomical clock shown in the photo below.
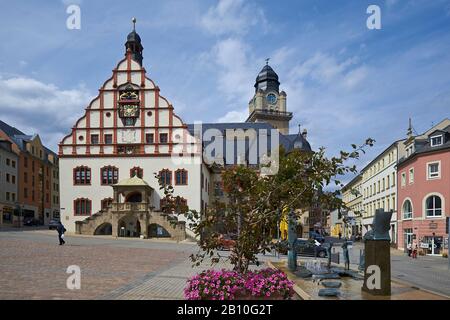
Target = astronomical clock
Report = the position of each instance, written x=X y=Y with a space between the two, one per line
x=128 y=106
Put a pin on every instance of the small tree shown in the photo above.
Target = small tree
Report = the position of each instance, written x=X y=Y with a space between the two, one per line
x=253 y=202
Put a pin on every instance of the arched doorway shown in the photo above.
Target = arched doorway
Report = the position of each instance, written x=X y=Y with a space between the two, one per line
x=138 y=228
x=104 y=229
x=122 y=231
x=134 y=197
x=157 y=231
x=129 y=226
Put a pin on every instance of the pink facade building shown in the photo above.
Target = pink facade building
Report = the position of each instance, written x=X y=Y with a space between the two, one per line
x=423 y=175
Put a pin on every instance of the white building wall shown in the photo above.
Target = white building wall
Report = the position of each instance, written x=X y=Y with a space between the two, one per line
x=382 y=173
x=96 y=192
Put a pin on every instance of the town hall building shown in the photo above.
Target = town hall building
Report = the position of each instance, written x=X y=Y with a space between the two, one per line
x=130 y=134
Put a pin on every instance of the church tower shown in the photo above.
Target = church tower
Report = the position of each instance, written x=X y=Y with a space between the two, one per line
x=269 y=104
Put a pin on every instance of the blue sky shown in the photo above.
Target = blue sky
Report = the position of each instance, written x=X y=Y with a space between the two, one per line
x=344 y=82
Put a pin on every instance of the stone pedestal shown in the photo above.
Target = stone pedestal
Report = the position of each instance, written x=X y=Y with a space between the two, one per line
x=377 y=254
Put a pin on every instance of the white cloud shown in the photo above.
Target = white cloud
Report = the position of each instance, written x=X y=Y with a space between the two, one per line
x=234 y=116
x=36 y=107
x=234 y=72
x=233 y=16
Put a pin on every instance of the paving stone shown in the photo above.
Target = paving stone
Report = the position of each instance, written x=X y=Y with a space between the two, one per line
x=331 y=284
x=329 y=292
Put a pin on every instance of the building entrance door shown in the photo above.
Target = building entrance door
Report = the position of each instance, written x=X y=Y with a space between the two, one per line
x=408 y=238
x=434 y=245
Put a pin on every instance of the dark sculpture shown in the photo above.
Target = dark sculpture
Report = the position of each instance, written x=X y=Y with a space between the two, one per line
x=377 y=253
x=346 y=255
x=380 y=226
x=292 y=240
x=328 y=247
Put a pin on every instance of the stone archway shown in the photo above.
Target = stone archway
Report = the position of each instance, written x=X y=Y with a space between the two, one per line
x=104 y=229
x=157 y=231
x=129 y=226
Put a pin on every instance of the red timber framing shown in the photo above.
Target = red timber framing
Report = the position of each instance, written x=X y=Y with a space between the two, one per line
x=170 y=127
x=142 y=106
x=88 y=131
x=143 y=127
x=157 y=120
x=115 y=93
x=102 y=138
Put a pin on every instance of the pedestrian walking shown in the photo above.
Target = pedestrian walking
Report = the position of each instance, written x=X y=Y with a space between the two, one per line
x=414 y=253
x=409 y=248
x=60 y=228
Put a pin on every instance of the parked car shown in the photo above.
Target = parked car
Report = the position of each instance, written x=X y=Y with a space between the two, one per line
x=53 y=224
x=304 y=247
x=317 y=236
x=30 y=221
x=227 y=241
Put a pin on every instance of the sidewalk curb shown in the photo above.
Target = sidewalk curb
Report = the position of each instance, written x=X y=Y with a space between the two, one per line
x=302 y=294
x=405 y=283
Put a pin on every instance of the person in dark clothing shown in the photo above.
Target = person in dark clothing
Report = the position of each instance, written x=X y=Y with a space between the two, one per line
x=60 y=228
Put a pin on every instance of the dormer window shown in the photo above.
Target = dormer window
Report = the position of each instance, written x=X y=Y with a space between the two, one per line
x=436 y=141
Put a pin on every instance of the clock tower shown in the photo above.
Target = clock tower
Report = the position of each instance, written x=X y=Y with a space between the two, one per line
x=269 y=104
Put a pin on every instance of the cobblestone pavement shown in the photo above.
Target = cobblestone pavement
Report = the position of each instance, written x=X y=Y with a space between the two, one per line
x=37 y=269
x=33 y=266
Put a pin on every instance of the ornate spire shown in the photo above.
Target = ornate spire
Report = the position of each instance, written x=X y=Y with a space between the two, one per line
x=409 y=132
x=134 y=44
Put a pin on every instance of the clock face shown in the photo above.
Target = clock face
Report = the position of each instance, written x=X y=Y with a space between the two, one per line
x=129 y=110
x=271 y=98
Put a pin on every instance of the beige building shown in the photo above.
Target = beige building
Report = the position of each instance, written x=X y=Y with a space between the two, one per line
x=352 y=197
x=379 y=188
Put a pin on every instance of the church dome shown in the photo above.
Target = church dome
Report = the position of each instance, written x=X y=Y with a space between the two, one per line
x=267 y=80
x=133 y=36
x=267 y=73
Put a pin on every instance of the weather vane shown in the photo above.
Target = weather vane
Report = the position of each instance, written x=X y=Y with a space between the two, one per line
x=267 y=61
x=134 y=23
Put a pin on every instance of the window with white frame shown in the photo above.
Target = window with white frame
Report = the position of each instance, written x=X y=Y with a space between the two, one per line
x=436 y=141
x=407 y=210
x=403 y=179
x=433 y=206
x=411 y=175
x=433 y=170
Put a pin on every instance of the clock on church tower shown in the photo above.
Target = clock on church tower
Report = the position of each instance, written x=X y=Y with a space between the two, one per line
x=268 y=103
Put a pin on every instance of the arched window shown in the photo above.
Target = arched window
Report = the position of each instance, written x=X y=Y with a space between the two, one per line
x=407 y=210
x=82 y=207
x=110 y=175
x=81 y=175
x=106 y=203
x=165 y=176
x=136 y=171
x=181 y=177
x=433 y=206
